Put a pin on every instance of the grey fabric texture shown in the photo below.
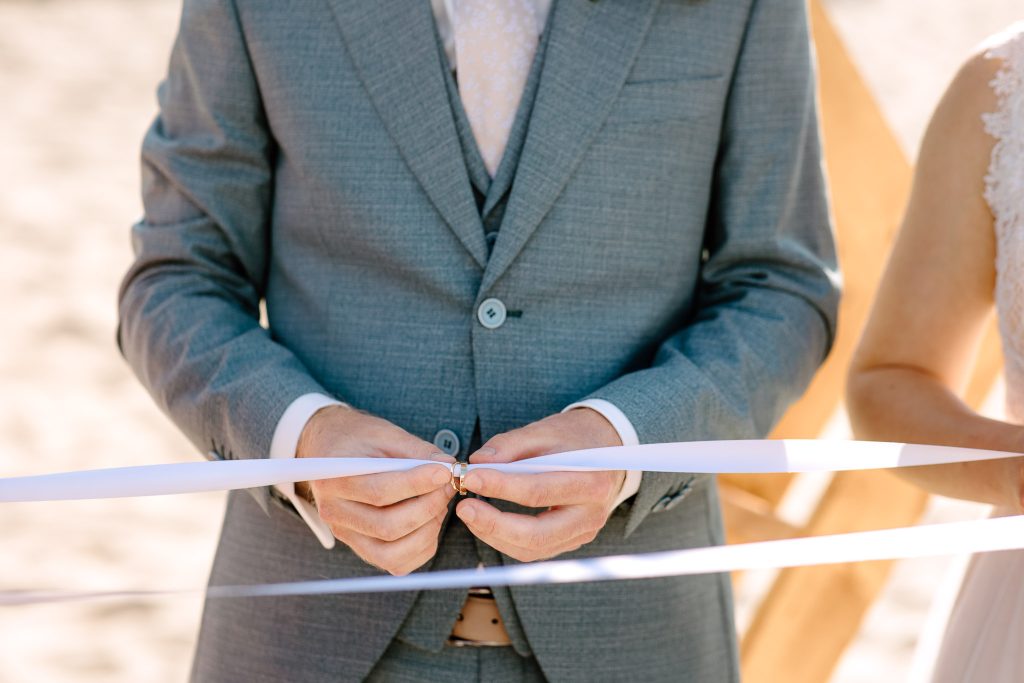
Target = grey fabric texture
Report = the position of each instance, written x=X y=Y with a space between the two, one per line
x=665 y=240
x=406 y=664
x=434 y=613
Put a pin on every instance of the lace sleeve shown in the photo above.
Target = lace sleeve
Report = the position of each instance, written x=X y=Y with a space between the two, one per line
x=1004 y=192
x=1004 y=183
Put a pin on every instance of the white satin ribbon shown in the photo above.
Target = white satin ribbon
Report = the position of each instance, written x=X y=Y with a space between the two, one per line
x=694 y=457
x=1003 y=533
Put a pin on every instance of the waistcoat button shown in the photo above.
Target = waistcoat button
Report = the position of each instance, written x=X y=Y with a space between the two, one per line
x=447 y=441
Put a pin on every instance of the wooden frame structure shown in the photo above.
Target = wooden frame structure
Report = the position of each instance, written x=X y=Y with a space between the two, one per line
x=810 y=614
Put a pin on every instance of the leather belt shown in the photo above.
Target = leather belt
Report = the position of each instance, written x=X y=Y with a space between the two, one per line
x=479 y=623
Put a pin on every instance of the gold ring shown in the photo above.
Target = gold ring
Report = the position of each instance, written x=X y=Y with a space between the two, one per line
x=460 y=485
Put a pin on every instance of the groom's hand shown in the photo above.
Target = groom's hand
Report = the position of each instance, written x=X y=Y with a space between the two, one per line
x=578 y=503
x=391 y=520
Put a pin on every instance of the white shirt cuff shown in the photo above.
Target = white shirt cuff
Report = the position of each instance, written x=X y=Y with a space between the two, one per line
x=284 y=444
x=627 y=435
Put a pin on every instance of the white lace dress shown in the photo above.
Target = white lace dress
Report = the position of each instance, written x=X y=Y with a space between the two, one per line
x=984 y=640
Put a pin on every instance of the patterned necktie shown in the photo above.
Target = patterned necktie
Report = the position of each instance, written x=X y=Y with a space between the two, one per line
x=495 y=41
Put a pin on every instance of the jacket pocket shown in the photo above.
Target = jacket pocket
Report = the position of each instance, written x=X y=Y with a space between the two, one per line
x=642 y=102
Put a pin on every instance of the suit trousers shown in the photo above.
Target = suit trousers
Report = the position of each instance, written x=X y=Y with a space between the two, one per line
x=404 y=663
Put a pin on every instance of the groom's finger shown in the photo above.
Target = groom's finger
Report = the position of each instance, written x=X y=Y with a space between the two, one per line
x=387 y=488
x=532 y=555
x=541 y=490
x=387 y=523
x=532 y=440
x=543 y=533
x=396 y=557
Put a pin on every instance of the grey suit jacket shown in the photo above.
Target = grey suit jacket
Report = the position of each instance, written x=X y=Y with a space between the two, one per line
x=666 y=245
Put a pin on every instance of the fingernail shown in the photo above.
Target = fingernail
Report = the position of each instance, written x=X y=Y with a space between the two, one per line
x=485 y=452
x=441 y=457
x=467 y=513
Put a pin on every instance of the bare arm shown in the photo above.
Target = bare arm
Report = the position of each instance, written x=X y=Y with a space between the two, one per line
x=937 y=294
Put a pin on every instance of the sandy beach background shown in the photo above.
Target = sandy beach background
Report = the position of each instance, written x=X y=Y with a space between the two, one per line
x=77 y=82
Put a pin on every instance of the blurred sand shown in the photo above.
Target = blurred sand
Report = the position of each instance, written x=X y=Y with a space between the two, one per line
x=77 y=79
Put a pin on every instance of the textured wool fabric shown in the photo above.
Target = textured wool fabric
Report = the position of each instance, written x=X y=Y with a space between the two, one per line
x=664 y=245
x=406 y=664
x=431 y=618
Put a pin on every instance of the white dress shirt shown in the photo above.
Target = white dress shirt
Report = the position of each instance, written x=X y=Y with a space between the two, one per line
x=286 y=435
x=444 y=11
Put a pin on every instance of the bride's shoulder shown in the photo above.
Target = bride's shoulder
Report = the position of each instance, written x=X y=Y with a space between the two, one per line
x=993 y=72
x=957 y=127
x=961 y=138
x=1005 y=51
x=1006 y=48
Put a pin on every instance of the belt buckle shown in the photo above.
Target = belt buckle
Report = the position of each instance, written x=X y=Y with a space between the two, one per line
x=455 y=641
x=478 y=598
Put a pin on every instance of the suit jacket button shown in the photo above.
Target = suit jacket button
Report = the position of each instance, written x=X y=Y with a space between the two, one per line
x=676 y=500
x=492 y=313
x=662 y=504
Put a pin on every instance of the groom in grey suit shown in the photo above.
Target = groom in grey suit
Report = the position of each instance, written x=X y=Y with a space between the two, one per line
x=644 y=256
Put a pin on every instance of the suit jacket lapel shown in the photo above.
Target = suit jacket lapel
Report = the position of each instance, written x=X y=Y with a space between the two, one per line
x=589 y=54
x=394 y=48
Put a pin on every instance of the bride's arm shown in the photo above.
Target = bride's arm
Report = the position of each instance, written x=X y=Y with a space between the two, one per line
x=937 y=294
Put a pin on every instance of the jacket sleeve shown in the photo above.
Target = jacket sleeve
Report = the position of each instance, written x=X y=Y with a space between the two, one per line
x=768 y=294
x=189 y=306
